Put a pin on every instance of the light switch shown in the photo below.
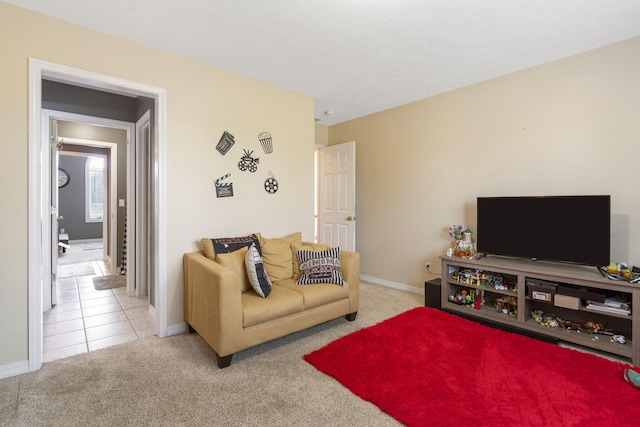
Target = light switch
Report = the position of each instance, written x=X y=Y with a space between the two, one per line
x=121 y=203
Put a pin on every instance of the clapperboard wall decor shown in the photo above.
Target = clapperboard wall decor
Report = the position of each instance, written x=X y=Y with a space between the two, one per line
x=224 y=189
x=225 y=143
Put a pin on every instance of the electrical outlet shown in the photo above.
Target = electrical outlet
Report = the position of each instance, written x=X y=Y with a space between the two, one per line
x=428 y=266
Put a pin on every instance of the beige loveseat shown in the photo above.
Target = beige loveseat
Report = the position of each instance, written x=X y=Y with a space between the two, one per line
x=224 y=309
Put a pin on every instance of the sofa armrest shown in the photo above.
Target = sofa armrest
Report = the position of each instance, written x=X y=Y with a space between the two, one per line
x=350 y=268
x=212 y=301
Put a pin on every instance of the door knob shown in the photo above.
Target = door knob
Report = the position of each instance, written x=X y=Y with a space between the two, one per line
x=60 y=218
x=351 y=218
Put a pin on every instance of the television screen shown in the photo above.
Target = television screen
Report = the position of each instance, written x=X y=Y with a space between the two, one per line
x=574 y=229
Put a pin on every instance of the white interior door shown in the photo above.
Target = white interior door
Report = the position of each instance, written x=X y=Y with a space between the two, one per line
x=143 y=207
x=49 y=292
x=337 y=196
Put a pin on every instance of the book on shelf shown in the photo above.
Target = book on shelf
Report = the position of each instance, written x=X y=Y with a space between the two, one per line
x=614 y=302
x=607 y=309
x=617 y=302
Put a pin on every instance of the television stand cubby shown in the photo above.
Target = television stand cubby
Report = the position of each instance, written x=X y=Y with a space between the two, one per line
x=509 y=306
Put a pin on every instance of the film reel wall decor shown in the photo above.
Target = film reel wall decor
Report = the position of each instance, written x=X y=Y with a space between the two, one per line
x=271 y=185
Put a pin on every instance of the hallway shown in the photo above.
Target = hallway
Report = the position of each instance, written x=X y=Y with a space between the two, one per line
x=85 y=319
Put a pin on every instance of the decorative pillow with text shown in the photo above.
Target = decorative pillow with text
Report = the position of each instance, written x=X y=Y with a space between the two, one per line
x=225 y=245
x=320 y=267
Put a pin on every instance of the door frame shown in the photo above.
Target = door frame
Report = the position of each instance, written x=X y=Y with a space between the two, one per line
x=112 y=218
x=40 y=182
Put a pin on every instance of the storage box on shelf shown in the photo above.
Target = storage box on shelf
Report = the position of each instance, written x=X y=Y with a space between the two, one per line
x=575 y=301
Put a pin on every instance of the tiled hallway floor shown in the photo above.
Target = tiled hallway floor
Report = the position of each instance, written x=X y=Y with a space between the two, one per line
x=85 y=319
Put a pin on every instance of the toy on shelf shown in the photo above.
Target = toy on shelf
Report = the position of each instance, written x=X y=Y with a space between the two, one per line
x=507 y=305
x=468 y=297
x=552 y=321
x=464 y=297
x=481 y=279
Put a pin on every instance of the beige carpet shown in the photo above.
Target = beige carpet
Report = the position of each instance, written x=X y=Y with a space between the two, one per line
x=75 y=254
x=91 y=245
x=174 y=381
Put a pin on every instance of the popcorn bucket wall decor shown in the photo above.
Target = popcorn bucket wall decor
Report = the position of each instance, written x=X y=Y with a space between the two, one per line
x=266 y=142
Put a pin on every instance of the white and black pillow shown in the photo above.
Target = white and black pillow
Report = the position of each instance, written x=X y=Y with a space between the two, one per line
x=257 y=274
x=320 y=267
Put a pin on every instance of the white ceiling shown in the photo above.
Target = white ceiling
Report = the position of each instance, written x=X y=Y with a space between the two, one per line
x=357 y=57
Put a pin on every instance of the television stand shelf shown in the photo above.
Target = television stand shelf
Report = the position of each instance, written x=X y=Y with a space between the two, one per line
x=494 y=290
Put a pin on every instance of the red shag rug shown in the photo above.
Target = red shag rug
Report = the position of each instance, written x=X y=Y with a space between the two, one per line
x=426 y=367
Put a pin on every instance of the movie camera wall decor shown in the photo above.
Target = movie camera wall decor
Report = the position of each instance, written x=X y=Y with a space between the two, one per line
x=247 y=163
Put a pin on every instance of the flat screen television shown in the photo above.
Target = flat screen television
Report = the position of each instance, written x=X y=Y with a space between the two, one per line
x=572 y=229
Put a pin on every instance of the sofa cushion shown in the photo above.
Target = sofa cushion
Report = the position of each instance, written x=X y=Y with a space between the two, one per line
x=235 y=261
x=281 y=302
x=277 y=256
x=227 y=244
x=316 y=295
x=320 y=267
x=304 y=246
x=258 y=277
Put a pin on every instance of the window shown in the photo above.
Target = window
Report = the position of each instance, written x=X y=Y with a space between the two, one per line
x=94 y=189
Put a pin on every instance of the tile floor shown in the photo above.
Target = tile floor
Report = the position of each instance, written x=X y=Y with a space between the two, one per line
x=85 y=319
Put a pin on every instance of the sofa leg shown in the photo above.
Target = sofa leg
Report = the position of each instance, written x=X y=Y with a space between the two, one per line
x=224 y=361
x=351 y=316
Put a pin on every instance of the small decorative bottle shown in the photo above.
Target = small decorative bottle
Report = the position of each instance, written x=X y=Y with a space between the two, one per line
x=465 y=248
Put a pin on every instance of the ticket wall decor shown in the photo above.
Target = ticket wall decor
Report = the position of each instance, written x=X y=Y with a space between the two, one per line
x=225 y=143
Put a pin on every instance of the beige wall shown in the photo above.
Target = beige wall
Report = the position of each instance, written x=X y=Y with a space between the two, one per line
x=567 y=127
x=202 y=102
x=321 y=135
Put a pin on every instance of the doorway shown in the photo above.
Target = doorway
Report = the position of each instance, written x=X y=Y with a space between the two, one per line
x=336 y=196
x=83 y=206
x=92 y=309
x=62 y=128
x=40 y=180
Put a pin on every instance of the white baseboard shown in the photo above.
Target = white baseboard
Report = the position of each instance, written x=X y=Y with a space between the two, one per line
x=180 y=328
x=393 y=285
x=13 y=369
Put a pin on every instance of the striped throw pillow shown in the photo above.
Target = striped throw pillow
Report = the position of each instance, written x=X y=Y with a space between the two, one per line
x=320 y=267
